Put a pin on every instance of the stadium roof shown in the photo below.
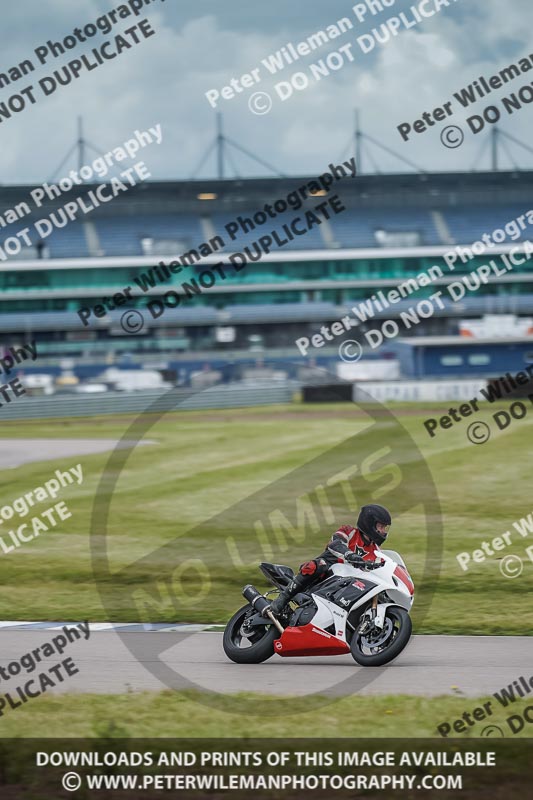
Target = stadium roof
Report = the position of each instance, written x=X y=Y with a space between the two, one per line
x=402 y=189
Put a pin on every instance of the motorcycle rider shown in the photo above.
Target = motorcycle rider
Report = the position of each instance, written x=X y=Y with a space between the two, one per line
x=348 y=544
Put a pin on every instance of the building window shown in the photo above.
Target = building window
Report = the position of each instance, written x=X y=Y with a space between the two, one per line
x=479 y=360
x=397 y=238
x=152 y=246
x=451 y=361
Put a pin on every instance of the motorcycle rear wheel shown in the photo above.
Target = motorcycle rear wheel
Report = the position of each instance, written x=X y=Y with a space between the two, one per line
x=248 y=650
x=381 y=649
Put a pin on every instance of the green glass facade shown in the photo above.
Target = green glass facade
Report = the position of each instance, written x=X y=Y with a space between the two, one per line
x=328 y=281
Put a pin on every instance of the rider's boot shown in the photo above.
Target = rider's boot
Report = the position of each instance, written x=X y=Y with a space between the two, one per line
x=298 y=584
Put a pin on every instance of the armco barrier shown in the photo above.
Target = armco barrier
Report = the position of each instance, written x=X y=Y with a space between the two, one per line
x=430 y=391
x=87 y=405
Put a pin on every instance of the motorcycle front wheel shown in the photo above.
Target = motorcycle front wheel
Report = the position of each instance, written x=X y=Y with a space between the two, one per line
x=248 y=648
x=377 y=647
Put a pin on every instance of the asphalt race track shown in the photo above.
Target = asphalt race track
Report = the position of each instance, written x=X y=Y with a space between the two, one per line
x=16 y=452
x=431 y=665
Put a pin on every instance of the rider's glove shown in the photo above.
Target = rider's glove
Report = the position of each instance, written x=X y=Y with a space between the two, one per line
x=354 y=560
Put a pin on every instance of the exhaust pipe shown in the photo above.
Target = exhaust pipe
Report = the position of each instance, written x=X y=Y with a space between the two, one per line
x=257 y=600
x=259 y=603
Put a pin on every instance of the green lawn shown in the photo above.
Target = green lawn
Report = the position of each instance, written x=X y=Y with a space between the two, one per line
x=215 y=492
x=185 y=715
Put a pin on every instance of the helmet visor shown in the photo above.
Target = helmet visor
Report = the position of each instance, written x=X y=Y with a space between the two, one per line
x=382 y=531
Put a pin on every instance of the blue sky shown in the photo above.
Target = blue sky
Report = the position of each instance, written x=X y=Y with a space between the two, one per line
x=202 y=45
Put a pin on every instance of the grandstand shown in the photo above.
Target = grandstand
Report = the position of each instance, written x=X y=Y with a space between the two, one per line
x=394 y=228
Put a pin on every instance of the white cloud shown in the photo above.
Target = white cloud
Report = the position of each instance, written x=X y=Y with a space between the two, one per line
x=164 y=80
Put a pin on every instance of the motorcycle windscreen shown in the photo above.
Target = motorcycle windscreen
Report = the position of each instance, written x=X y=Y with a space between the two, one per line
x=278 y=574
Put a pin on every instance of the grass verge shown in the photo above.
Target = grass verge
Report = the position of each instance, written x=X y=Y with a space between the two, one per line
x=188 y=714
x=186 y=500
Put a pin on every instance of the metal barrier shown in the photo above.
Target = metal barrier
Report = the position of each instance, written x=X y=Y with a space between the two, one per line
x=87 y=405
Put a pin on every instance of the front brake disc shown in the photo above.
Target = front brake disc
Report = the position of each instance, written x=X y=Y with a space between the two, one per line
x=380 y=638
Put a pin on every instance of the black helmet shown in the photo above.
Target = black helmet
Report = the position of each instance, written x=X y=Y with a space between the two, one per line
x=368 y=518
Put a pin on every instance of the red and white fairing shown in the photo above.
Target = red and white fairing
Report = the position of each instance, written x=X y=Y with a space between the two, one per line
x=392 y=580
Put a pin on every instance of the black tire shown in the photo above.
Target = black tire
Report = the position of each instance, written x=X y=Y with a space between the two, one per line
x=258 y=651
x=402 y=619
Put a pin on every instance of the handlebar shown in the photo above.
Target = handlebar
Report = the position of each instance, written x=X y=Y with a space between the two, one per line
x=360 y=563
x=374 y=564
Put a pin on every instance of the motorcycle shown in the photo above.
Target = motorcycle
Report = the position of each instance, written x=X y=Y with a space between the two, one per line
x=363 y=611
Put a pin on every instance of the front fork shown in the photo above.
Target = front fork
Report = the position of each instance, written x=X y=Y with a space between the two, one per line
x=370 y=618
